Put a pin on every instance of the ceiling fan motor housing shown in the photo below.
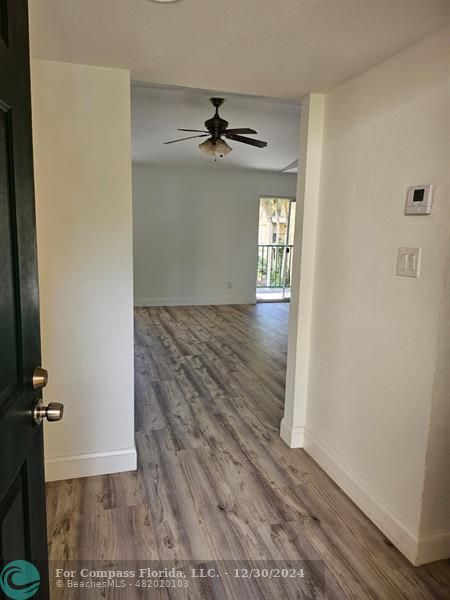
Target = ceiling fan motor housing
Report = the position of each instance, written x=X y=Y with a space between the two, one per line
x=216 y=125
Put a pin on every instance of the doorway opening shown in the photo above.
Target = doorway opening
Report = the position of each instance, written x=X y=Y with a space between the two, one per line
x=275 y=249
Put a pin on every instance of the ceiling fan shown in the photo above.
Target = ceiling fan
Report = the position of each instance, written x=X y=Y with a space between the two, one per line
x=216 y=130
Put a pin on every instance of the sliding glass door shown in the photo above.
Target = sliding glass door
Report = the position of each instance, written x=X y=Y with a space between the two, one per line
x=275 y=248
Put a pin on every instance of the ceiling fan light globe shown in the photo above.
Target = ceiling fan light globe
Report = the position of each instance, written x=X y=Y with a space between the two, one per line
x=207 y=147
x=222 y=148
x=219 y=148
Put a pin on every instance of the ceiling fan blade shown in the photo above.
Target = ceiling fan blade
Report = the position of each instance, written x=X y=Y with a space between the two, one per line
x=245 y=140
x=196 y=130
x=187 y=138
x=241 y=130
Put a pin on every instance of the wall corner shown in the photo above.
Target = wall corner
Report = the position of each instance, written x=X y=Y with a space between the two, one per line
x=300 y=320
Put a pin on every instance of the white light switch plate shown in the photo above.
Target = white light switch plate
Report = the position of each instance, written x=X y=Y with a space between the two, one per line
x=408 y=262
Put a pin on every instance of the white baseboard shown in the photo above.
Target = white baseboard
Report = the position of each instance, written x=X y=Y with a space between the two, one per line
x=293 y=436
x=433 y=547
x=192 y=301
x=86 y=465
x=417 y=550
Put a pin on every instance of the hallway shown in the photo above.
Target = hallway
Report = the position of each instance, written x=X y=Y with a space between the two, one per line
x=215 y=481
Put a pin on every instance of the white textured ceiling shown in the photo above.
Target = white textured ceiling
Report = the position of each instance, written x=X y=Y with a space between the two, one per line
x=274 y=48
x=158 y=112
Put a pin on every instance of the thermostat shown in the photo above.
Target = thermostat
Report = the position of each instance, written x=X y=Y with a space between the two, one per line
x=418 y=200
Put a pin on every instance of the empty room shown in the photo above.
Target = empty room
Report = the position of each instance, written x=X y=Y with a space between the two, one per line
x=224 y=302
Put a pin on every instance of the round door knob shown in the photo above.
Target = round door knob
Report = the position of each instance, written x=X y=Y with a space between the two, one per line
x=52 y=412
x=40 y=378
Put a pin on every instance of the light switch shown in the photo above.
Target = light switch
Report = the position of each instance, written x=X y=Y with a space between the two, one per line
x=408 y=262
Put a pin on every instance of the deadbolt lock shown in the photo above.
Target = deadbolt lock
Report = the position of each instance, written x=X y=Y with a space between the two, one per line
x=40 y=378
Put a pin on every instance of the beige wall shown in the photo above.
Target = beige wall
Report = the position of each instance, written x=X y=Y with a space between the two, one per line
x=196 y=231
x=81 y=134
x=377 y=373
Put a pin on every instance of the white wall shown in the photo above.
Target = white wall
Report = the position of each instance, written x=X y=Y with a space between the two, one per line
x=378 y=366
x=435 y=518
x=292 y=428
x=81 y=134
x=196 y=229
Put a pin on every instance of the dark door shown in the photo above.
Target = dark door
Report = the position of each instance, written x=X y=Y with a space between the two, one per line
x=22 y=494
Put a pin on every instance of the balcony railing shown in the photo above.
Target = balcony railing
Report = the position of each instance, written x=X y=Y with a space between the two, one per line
x=274 y=266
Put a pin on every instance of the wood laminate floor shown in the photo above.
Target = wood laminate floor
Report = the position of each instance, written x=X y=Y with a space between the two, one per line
x=216 y=483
